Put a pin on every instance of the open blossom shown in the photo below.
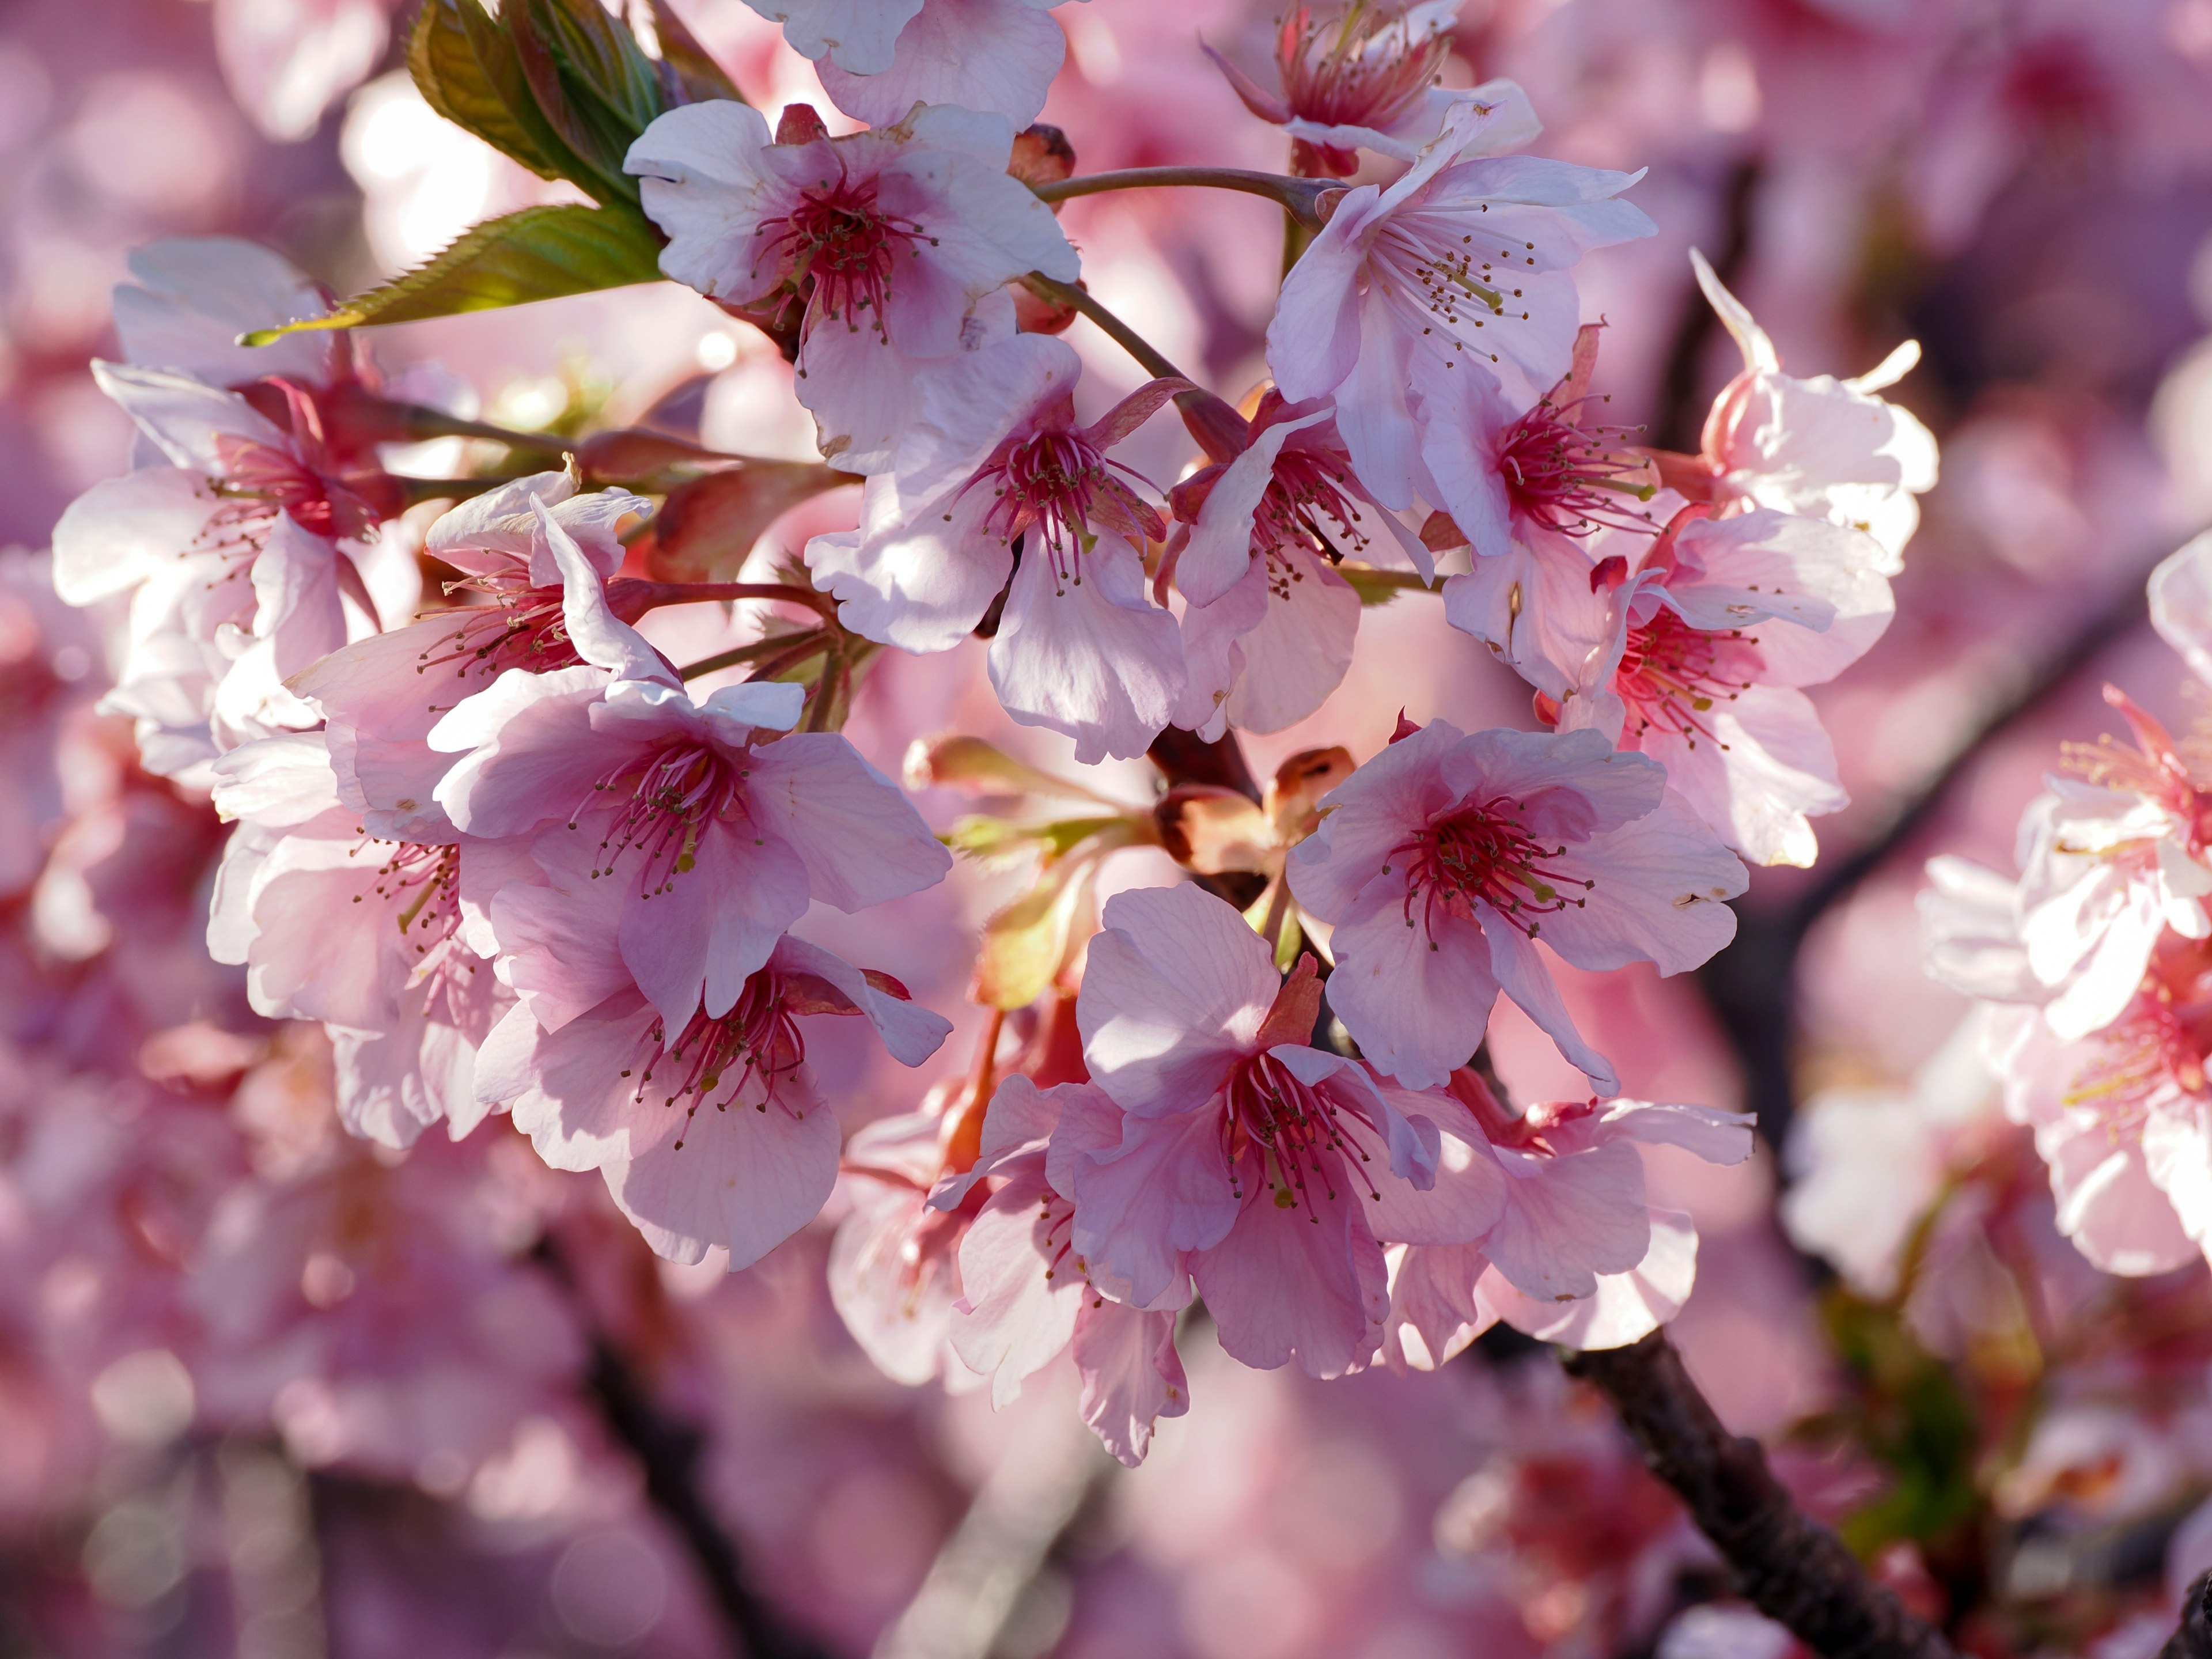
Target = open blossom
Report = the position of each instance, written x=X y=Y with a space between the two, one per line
x=887 y=55
x=1366 y=79
x=1706 y=634
x=1269 y=630
x=2122 y=1116
x=361 y=932
x=1574 y=1253
x=1443 y=860
x=700 y=806
x=238 y=555
x=1823 y=448
x=711 y=1130
x=380 y=697
x=1029 y=1293
x=1459 y=268
x=994 y=457
x=886 y=246
x=1219 y=1147
x=2109 y=862
x=1542 y=478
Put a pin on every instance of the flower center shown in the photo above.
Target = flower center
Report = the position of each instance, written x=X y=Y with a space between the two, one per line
x=260 y=481
x=1061 y=484
x=1293 y=1126
x=1364 y=69
x=715 y=1058
x=423 y=881
x=838 y=243
x=1671 y=675
x=1565 y=477
x=1306 y=488
x=674 y=795
x=1477 y=854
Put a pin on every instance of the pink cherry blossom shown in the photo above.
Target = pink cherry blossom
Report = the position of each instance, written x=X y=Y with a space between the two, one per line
x=1575 y=1252
x=630 y=782
x=361 y=933
x=1537 y=478
x=2122 y=1116
x=620 y=1087
x=1823 y=448
x=1029 y=1295
x=998 y=56
x=890 y=248
x=1242 y=1158
x=239 y=555
x=993 y=456
x=380 y=697
x=288 y=61
x=1363 y=80
x=1708 y=632
x=1462 y=262
x=1442 y=859
x=2110 y=859
x=1269 y=630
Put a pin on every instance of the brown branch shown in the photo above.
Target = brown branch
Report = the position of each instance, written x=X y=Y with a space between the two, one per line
x=667 y=1451
x=2192 y=1638
x=1790 y=1567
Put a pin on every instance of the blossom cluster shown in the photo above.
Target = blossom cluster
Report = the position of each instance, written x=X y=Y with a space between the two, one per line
x=514 y=862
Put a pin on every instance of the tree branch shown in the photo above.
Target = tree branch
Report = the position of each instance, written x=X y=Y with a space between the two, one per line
x=1790 y=1568
x=667 y=1452
x=2192 y=1638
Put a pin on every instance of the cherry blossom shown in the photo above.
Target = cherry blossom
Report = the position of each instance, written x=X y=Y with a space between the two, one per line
x=380 y=697
x=1362 y=80
x=1029 y=1294
x=629 y=780
x=1573 y=1252
x=993 y=459
x=617 y=1086
x=1442 y=859
x=1462 y=262
x=1269 y=630
x=363 y=933
x=1708 y=633
x=1824 y=447
x=889 y=248
x=1219 y=1147
x=998 y=56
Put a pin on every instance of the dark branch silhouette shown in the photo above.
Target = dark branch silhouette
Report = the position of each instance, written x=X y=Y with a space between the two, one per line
x=1790 y=1567
x=2193 y=1638
x=667 y=1450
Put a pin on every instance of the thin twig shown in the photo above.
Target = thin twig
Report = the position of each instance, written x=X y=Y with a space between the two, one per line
x=1068 y=293
x=1790 y=1567
x=1300 y=198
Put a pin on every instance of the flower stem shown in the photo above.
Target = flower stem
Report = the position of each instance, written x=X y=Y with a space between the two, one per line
x=1300 y=197
x=1068 y=293
x=781 y=650
x=1790 y=1568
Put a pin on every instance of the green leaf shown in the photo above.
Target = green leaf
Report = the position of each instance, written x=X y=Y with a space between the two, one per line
x=698 y=76
x=538 y=253
x=592 y=81
x=466 y=70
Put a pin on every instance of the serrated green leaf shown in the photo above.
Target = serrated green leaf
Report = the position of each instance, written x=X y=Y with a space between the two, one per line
x=538 y=253
x=466 y=70
x=591 y=81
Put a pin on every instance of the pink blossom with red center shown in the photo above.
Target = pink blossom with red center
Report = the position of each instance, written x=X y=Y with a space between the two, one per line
x=892 y=247
x=1443 y=860
x=1364 y=79
x=995 y=490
